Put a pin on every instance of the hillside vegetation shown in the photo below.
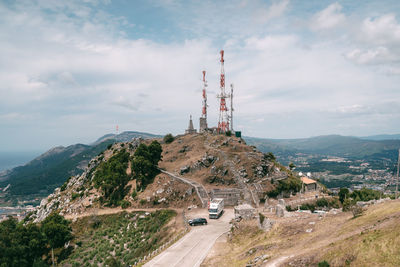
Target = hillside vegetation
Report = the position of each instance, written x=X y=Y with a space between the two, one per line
x=120 y=238
x=50 y=170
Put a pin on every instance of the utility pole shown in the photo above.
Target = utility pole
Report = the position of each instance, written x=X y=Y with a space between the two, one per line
x=231 y=107
x=397 y=183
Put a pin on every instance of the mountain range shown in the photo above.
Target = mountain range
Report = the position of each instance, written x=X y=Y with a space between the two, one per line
x=332 y=145
x=43 y=174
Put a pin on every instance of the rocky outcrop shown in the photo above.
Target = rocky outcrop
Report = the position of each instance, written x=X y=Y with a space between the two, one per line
x=77 y=194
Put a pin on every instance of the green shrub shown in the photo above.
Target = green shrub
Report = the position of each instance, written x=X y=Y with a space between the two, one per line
x=74 y=195
x=322 y=202
x=125 y=204
x=269 y=156
x=262 y=218
x=323 y=264
x=347 y=204
x=169 y=138
x=289 y=208
x=155 y=201
x=64 y=186
x=134 y=194
x=365 y=194
x=290 y=184
x=308 y=206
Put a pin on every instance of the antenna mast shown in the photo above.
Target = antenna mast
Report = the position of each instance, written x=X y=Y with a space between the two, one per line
x=223 y=121
x=231 y=117
x=397 y=183
x=203 y=118
x=204 y=111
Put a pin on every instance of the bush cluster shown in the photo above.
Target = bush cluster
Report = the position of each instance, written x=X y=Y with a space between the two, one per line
x=144 y=163
x=287 y=185
x=30 y=244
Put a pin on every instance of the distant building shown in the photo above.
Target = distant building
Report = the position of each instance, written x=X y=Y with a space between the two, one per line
x=190 y=129
x=309 y=184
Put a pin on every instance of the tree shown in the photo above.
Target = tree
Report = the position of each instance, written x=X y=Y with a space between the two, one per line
x=144 y=163
x=112 y=178
x=57 y=231
x=21 y=245
x=155 y=151
x=343 y=194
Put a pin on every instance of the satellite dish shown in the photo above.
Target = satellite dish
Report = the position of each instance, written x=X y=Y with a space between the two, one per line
x=300 y=173
x=308 y=174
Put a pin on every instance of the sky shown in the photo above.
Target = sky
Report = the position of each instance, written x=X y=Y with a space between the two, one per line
x=70 y=71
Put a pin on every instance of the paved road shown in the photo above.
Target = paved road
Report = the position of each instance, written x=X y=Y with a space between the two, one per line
x=191 y=250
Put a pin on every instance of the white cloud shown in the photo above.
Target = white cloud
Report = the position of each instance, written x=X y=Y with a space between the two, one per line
x=275 y=10
x=81 y=76
x=378 y=43
x=383 y=30
x=328 y=18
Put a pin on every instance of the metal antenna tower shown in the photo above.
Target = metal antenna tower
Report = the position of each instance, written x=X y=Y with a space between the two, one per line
x=203 y=118
x=397 y=183
x=223 y=121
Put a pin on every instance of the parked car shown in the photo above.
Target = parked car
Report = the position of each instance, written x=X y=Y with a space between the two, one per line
x=197 y=221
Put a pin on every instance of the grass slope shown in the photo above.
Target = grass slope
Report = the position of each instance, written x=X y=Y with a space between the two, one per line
x=372 y=239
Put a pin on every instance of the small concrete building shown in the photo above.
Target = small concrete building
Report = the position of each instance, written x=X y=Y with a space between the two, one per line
x=231 y=196
x=309 y=184
x=245 y=211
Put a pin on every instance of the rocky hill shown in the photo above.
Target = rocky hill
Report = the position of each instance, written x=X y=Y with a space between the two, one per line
x=193 y=169
x=43 y=174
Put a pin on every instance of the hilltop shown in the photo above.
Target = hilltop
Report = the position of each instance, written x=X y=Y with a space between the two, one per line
x=193 y=168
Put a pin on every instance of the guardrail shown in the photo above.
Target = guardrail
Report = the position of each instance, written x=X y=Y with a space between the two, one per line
x=166 y=244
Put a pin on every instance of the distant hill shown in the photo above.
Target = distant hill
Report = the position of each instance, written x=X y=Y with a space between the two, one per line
x=126 y=136
x=382 y=137
x=332 y=145
x=50 y=170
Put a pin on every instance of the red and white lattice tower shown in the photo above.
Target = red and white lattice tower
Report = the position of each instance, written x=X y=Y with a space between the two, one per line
x=223 y=121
